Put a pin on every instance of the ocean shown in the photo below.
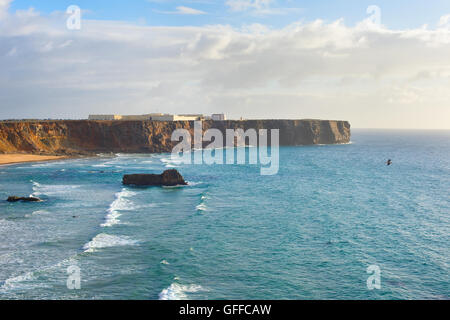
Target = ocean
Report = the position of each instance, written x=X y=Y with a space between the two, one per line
x=309 y=232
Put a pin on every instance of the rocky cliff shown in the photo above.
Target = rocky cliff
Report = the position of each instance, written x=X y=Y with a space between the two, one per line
x=70 y=137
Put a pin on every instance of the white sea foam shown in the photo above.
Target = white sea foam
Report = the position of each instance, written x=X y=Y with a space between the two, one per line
x=35 y=184
x=48 y=189
x=111 y=219
x=104 y=240
x=193 y=183
x=101 y=165
x=119 y=204
x=46 y=164
x=174 y=187
x=204 y=197
x=165 y=262
x=178 y=291
x=35 y=213
x=202 y=207
x=15 y=282
x=171 y=163
x=23 y=281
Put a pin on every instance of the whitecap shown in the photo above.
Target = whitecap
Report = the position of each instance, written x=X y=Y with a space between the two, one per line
x=202 y=207
x=174 y=187
x=165 y=262
x=104 y=240
x=193 y=183
x=23 y=281
x=111 y=219
x=49 y=189
x=101 y=165
x=179 y=292
x=15 y=282
x=35 y=184
x=35 y=213
x=43 y=165
x=171 y=163
x=121 y=203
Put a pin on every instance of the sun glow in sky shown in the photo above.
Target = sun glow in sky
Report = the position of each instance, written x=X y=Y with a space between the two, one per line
x=388 y=67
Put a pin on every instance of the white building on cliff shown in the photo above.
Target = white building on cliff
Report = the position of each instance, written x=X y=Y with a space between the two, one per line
x=218 y=117
x=157 y=117
x=149 y=117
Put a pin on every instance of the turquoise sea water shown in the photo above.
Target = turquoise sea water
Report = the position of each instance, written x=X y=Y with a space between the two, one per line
x=309 y=232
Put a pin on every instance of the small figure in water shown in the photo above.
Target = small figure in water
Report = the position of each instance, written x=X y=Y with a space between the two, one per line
x=389 y=162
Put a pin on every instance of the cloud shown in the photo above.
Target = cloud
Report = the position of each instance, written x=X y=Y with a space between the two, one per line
x=259 y=7
x=4 y=6
x=444 y=21
x=183 y=10
x=187 y=10
x=374 y=77
x=243 y=5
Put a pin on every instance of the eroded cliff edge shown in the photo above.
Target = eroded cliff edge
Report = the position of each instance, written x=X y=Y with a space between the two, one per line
x=71 y=137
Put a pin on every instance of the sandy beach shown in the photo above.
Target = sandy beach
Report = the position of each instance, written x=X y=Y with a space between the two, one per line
x=19 y=158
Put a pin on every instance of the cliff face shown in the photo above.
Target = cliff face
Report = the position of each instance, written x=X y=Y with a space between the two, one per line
x=86 y=137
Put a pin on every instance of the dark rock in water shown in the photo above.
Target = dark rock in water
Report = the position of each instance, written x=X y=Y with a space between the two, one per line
x=26 y=199
x=167 y=178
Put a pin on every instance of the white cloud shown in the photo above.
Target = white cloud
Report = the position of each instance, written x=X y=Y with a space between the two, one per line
x=4 y=6
x=444 y=21
x=371 y=76
x=259 y=7
x=243 y=5
x=187 y=10
x=183 y=10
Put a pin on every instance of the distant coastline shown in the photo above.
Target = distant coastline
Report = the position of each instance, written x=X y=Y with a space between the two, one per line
x=87 y=138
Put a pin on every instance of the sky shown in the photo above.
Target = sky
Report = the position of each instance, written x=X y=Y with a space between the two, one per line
x=377 y=64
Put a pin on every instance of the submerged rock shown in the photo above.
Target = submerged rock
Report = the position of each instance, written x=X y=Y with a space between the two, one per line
x=26 y=199
x=167 y=178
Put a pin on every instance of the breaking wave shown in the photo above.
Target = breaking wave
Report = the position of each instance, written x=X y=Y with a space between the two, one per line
x=36 y=213
x=104 y=240
x=178 y=291
x=121 y=203
x=201 y=207
x=27 y=280
x=16 y=282
x=171 y=163
x=47 y=189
